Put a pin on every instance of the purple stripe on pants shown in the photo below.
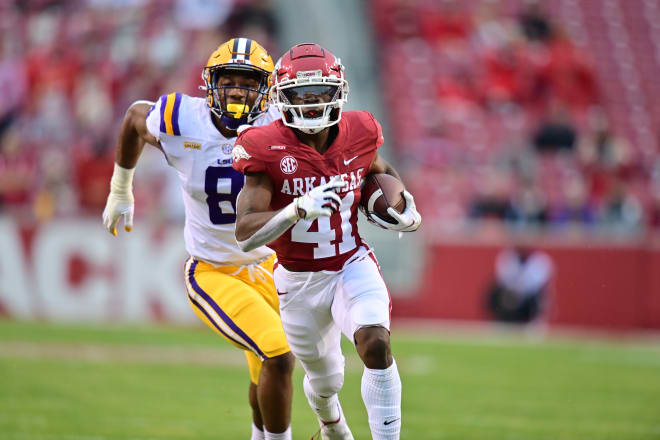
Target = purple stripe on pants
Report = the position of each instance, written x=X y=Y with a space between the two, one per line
x=218 y=310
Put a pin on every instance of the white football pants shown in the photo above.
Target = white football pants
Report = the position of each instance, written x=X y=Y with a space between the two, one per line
x=318 y=306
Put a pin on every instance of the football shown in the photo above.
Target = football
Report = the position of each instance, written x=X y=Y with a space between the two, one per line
x=379 y=192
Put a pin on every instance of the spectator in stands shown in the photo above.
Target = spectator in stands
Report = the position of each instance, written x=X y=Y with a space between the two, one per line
x=18 y=172
x=622 y=210
x=93 y=169
x=535 y=24
x=529 y=206
x=443 y=22
x=556 y=133
x=493 y=199
x=654 y=211
x=601 y=148
x=520 y=289
x=492 y=30
x=67 y=68
x=574 y=208
x=503 y=76
x=396 y=20
x=256 y=20
x=54 y=194
x=564 y=74
x=13 y=79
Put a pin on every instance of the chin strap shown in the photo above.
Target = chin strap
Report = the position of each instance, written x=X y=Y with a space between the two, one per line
x=232 y=123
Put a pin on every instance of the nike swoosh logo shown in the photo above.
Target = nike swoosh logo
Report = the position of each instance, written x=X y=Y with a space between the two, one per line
x=389 y=422
x=346 y=162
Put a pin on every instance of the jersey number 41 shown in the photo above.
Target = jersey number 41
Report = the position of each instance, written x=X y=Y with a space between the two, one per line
x=325 y=237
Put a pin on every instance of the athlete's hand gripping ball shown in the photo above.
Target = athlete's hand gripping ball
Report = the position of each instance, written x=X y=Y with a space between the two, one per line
x=409 y=220
x=320 y=201
x=120 y=201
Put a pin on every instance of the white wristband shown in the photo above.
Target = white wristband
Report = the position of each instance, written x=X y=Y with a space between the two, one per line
x=291 y=211
x=122 y=179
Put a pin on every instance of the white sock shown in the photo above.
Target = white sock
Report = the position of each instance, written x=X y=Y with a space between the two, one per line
x=381 y=393
x=327 y=408
x=286 y=435
x=257 y=434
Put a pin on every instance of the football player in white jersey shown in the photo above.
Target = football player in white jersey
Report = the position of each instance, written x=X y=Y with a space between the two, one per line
x=232 y=291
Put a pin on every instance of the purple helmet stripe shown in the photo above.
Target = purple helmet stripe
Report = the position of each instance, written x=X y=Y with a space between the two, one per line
x=163 y=102
x=218 y=310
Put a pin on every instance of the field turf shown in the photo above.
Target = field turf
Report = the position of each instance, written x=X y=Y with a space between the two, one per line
x=97 y=383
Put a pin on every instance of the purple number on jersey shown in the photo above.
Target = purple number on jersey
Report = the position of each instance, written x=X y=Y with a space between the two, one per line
x=222 y=205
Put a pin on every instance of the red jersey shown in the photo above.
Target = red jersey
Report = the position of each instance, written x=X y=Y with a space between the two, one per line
x=295 y=168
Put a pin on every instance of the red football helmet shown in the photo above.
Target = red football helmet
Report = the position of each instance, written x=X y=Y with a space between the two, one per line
x=309 y=88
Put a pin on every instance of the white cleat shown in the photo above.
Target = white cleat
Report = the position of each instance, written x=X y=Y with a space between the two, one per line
x=337 y=430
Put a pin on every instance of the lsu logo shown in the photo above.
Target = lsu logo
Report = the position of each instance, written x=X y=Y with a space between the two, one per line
x=192 y=145
x=288 y=164
x=239 y=153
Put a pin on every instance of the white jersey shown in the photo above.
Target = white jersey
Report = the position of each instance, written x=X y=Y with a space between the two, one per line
x=202 y=157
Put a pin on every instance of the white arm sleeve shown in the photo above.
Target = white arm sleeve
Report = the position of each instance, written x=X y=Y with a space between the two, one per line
x=320 y=201
x=273 y=228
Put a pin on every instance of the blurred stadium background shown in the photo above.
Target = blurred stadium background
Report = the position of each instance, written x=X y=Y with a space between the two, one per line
x=513 y=122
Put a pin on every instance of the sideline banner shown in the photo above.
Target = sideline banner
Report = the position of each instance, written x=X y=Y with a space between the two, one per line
x=73 y=270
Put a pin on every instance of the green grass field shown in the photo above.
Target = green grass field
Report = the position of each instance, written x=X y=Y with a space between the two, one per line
x=96 y=383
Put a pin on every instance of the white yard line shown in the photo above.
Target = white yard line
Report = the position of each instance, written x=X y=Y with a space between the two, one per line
x=171 y=355
x=122 y=353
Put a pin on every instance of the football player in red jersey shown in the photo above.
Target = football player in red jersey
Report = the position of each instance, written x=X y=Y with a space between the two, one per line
x=301 y=197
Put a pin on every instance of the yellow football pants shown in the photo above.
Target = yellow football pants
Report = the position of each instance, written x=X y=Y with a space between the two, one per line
x=239 y=303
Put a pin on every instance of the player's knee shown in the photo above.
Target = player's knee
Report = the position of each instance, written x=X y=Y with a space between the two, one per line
x=328 y=385
x=253 y=399
x=373 y=346
x=281 y=366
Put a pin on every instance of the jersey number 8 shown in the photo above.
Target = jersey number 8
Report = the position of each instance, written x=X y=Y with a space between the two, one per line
x=222 y=185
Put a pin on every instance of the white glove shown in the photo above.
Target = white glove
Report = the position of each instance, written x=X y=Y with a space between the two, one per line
x=409 y=220
x=320 y=201
x=120 y=201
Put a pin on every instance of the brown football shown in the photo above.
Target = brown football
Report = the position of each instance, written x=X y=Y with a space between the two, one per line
x=379 y=192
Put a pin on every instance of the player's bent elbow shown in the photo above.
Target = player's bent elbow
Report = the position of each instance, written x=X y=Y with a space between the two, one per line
x=246 y=245
x=243 y=239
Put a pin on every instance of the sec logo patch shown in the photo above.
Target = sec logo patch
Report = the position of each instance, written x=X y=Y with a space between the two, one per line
x=288 y=164
x=226 y=148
